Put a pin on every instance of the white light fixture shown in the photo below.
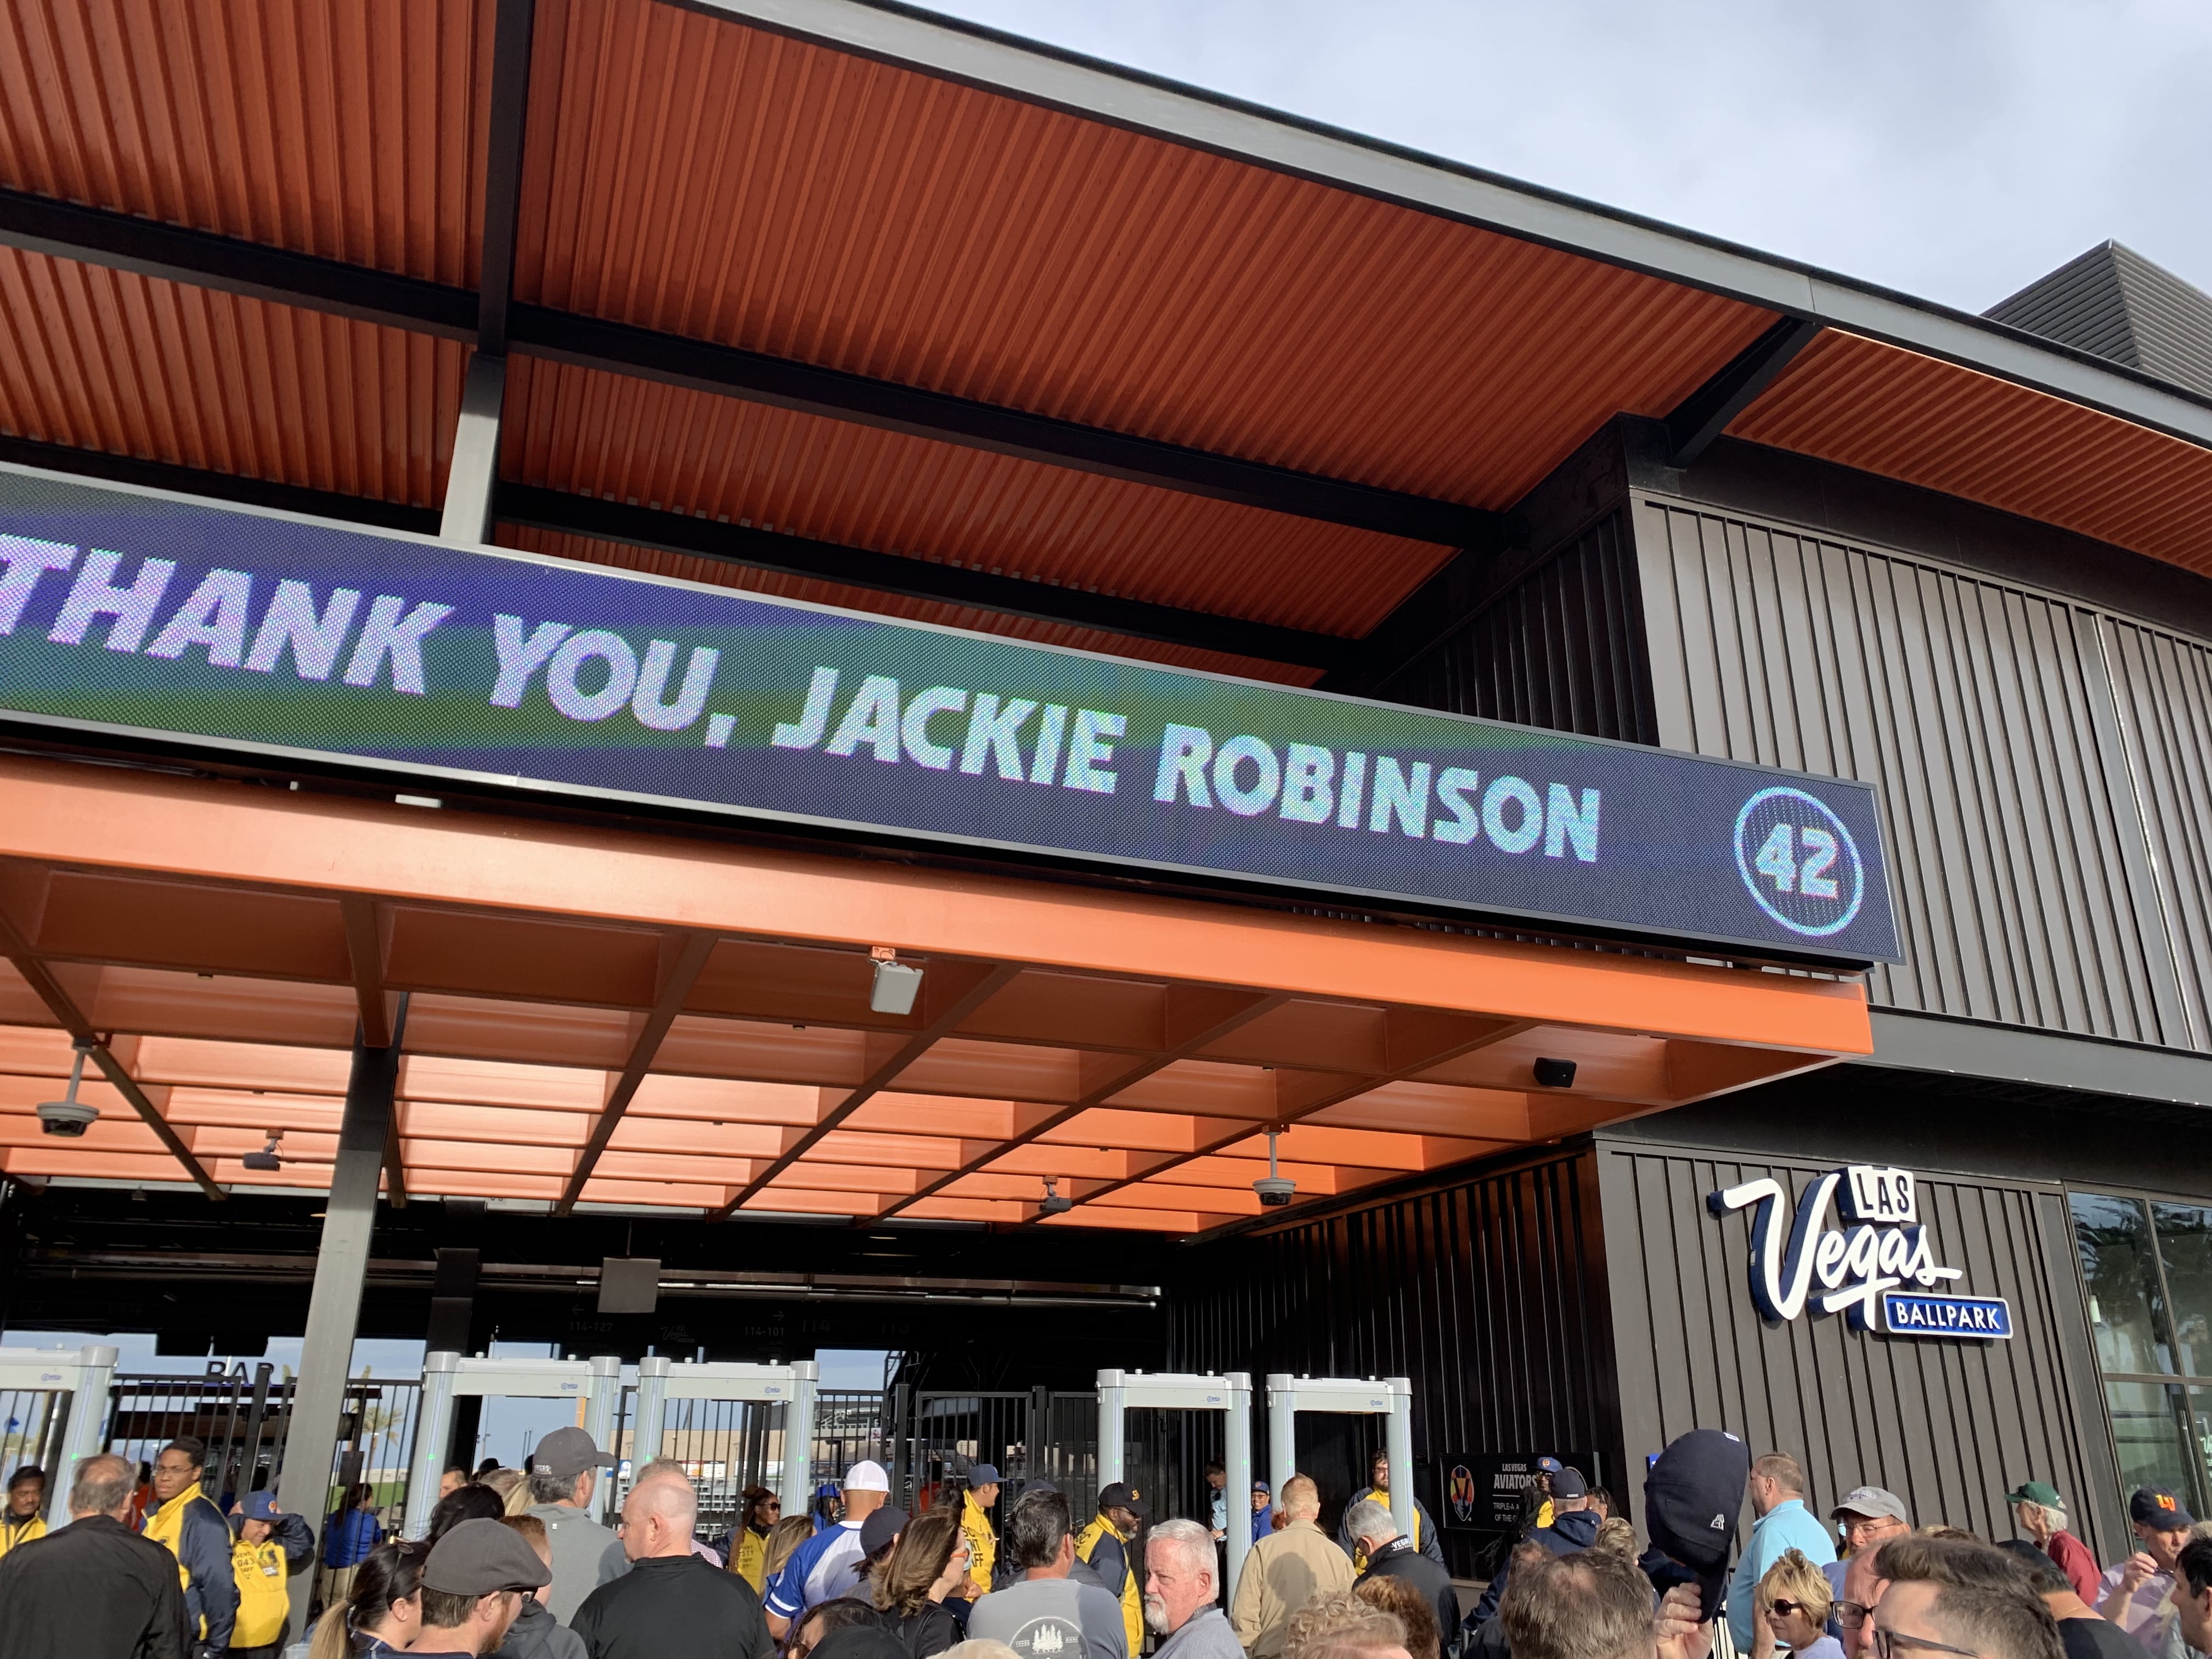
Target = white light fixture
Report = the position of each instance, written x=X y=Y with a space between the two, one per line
x=896 y=984
x=1275 y=1191
x=70 y=1116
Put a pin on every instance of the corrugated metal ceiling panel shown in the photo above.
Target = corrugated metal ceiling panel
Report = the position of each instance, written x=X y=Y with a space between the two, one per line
x=106 y=360
x=352 y=129
x=687 y=568
x=580 y=430
x=690 y=175
x=1865 y=404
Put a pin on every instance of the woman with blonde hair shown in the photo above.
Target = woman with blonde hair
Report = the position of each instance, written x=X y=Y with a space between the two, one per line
x=1790 y=1610
x=789 y=1534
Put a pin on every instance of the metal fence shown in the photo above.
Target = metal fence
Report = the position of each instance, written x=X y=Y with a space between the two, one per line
x=35 y=1420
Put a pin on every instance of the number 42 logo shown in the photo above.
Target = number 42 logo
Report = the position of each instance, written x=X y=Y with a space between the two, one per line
x=1798 y=861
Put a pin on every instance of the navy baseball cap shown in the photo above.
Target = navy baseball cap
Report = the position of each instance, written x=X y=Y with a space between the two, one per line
x=983 y=1475
x=1548 y=1465
x=1691 y=1501
x=1569 y=1483
x=259 y=1505
x=2159 y=1507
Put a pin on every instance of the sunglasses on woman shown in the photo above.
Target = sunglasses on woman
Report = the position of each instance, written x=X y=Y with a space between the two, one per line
x=1782 y=1608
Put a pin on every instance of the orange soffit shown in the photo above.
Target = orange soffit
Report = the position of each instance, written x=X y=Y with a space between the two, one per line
x=601 y=1018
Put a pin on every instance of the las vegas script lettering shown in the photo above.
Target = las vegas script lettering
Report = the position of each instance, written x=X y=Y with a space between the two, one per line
x=1885 y=1245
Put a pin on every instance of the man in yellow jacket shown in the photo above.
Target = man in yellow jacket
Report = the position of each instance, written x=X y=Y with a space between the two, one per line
x=975 y=1526
x=188 y=1524
x=25 y=1519
x=271 y=1546
x=1425 y=1527
x=1108 y=1545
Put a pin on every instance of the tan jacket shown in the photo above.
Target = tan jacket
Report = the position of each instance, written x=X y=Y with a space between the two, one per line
x=1285 y=1571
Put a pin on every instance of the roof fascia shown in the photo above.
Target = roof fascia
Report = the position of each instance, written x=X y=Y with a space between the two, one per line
x=1096 y=90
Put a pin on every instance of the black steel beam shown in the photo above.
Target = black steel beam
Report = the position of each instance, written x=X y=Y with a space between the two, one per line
x=677 y=360
x=891 y=573
x=220 y=486
x=510 y=106
x=122 y=242
x=1705 y=413
x=756 y=549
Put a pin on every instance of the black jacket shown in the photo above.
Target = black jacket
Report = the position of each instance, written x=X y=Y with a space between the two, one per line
x=1570 y=1534
x=925 y=1634
x=1399 y=1559
x=674 y=1604
x=93 y=1590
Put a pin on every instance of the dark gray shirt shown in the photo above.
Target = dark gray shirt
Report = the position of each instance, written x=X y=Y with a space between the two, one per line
x=1053 y=1619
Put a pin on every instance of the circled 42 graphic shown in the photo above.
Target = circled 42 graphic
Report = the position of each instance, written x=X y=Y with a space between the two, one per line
x=1799 y=862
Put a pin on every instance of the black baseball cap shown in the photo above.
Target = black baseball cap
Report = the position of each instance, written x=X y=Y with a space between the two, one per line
x=481 y=1557
x=880 y=1528
x=1569 y=1483
x=2159 y=1507
x=1118 y=1497
x=1691 y=1501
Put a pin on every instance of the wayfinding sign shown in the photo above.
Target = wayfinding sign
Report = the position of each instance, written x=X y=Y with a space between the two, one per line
x=134 y=611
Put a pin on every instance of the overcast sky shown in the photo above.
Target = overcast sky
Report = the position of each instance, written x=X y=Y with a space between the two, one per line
x=1955 y=150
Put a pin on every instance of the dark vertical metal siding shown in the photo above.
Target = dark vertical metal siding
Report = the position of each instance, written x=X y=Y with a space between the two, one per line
x=1489 y=1296
x=2163 y=688
x=1563 y=649
x=1974 y=706
x=1948 y=1426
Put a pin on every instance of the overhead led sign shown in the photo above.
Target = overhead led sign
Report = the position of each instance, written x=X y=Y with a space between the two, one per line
x=138 y=612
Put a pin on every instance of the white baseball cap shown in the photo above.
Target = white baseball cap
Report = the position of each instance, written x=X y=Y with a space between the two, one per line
x=867 y=1475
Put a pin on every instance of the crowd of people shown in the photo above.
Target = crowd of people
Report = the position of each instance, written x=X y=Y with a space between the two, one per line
x=513 y=1564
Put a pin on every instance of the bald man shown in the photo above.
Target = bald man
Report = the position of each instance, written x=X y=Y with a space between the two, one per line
x=670 y=1601
x=1286 y=1570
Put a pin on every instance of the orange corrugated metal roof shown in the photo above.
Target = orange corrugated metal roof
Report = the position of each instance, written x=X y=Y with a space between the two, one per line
x=352 y=129
x=107 y=360
x=635 y=441
x=688 y=567
x=688 y=174
x=1866 y=404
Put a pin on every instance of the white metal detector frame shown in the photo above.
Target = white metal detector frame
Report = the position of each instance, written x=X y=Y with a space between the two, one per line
x=596 y=1381
x=796 y=1386
x=1230 y=1394
x=1389 y=1396
x=85 y=1377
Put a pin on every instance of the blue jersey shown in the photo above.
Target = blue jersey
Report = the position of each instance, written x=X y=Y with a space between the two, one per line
x=820 y=1570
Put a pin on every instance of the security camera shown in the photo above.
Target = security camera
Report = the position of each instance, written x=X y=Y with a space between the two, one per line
x=1055 y=1202
x=895 y=985
x=266 y=1158
x=67 y=1117
x=1273 y=1188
